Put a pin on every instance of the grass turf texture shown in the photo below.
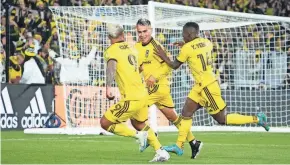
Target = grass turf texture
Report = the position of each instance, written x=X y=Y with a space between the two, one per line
x=219 y=148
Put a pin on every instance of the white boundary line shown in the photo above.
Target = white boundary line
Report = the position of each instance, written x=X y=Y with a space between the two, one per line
x=92 y=140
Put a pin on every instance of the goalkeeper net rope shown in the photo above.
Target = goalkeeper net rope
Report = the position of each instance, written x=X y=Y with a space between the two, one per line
x=250 y=60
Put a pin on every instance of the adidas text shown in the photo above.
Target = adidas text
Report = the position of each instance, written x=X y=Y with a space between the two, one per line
x=9 y=121
x=33 y=121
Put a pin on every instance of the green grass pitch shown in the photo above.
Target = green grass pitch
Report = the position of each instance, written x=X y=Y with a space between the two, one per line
x=219 y=148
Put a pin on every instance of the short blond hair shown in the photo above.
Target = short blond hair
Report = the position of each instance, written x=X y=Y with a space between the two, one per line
x=115 y=30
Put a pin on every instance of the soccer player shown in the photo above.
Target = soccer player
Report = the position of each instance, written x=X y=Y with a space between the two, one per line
x=155 y=73
x=206 y=92
x=122 y=66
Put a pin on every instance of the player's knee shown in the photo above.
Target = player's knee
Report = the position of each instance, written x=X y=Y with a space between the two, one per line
x=134 y=124
x=137 y=124
x=220 y=117
x=169 y=114
x=172 y=118
x=221 y=121
x=104 y=123
x=186 y=114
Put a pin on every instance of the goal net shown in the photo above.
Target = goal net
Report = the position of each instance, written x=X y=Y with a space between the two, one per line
x=250 y=60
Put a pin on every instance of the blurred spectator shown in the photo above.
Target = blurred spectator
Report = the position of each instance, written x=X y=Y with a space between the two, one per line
x=15 y=68
x=76 y=67
x=32 y=70
x=32 y=27
x=261 y=6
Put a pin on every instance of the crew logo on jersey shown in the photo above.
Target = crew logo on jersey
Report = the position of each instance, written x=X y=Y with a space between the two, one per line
x=151 y=63
x=147 y=53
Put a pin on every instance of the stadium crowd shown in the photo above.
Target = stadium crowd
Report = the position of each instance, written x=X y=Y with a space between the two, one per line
x=33 y=35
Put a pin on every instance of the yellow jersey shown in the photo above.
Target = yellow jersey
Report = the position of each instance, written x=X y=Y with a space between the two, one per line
x=127 y=76
x=197 y=53
x=15 y=70
x=152 y=64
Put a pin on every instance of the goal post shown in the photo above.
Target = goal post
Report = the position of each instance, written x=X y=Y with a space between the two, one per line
x=250 y=59
x=249 y=56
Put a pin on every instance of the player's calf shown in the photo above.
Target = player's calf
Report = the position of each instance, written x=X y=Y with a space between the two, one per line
x=141 y=126
x=161 y=155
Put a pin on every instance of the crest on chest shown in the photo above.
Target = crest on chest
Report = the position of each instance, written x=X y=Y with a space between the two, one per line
x=147 y=53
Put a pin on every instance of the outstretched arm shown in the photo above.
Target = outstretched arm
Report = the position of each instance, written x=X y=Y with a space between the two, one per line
x=158 y=51
x=110 y=76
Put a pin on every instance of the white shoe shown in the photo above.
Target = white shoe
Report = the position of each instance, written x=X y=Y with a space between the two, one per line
x=142 y=139
x=161 y=156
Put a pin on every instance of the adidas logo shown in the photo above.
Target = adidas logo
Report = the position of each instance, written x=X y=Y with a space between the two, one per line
x=8 y=119
x=37 y=105
x=35 y=115
x=5 y=103
x=35 y=109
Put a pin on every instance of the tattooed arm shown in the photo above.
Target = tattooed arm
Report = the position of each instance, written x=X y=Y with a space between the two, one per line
x=110 y=76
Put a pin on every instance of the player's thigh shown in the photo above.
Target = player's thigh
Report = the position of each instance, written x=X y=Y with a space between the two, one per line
x=153 y=94
x=141 y=114
x=194 y=97
x=164 y=99
x=212 y=99
x=165 y=104
x=192 y=103
x=121 y=111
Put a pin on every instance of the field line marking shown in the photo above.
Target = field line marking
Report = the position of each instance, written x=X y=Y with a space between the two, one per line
x=92 y=140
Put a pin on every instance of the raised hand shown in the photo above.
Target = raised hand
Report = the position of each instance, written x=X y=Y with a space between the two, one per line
x=151 y=81
x=159 y=51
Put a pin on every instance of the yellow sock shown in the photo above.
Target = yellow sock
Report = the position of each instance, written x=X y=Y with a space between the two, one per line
x=190 y=136
x=240 y=119
x=152 y=139
x=184 y=128
x=122 y=130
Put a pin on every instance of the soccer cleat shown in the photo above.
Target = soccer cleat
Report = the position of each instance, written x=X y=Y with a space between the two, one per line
x=142 y=139
x=195 y=149
x=174 y=148
x=160 y=156
x=263 y=121
x=144 y=148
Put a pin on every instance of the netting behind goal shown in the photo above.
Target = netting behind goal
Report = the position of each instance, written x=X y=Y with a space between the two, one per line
x=249 y=57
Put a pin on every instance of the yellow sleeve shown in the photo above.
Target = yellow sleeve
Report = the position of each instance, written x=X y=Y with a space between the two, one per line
x=182 y=57
x=158 y=58
x=163 y=71
x=110 y=55
x=137 y=52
